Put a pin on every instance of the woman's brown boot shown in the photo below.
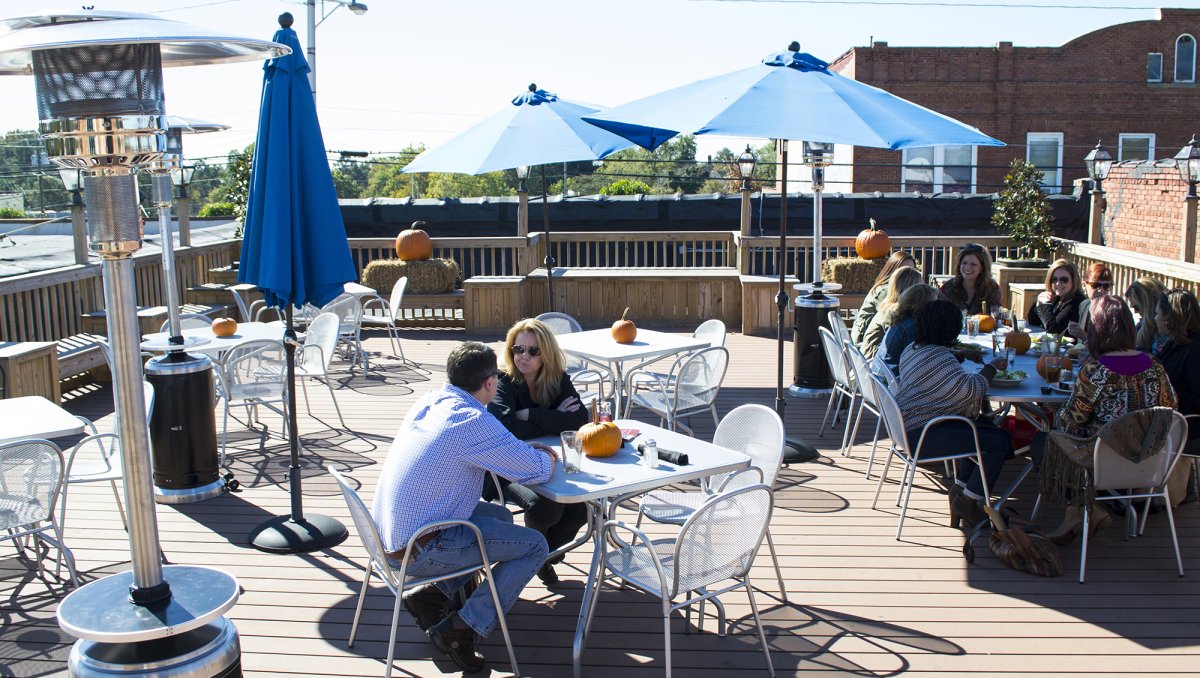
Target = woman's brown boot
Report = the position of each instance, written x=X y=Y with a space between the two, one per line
x=1070 y=526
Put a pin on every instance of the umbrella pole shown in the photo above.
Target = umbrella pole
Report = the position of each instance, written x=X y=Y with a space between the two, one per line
x=549 y=262
x=295 y=533
x=781 y=264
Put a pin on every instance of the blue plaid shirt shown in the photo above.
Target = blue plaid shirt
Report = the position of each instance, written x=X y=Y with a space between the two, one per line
x=436 y=467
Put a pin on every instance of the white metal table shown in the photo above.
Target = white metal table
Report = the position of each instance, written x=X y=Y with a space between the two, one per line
x=605 y=483
x=35 y=417
x=215 y=345
x=597 y=346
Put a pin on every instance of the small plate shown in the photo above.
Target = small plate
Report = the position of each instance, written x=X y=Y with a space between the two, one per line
x=1059 y=389
x=1008 y=382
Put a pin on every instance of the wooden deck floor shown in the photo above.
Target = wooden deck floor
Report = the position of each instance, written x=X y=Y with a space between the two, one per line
x=859 y=602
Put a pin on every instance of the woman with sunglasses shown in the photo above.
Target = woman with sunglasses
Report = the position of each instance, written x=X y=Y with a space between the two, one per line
x=1098 y=280
x=879 y=288
x=972 y=284
x=1177 y=316
x=535 y=398
x=1059 y=304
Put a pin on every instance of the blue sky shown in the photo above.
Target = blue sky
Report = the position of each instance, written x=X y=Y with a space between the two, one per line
x=424 y=70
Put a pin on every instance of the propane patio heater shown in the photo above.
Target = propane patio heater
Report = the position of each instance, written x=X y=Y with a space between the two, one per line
x=98 y=78
x=811 y=377
x=183 y=437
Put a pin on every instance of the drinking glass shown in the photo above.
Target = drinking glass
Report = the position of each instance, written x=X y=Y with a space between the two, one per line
x=1053 y=368
x=1010 y=358
x=997 y=343
x=571 y=452
x=1066 y=379
x=606 y=410
x=972 y=326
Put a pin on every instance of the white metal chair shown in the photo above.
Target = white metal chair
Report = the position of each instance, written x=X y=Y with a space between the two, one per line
x=843 y=383
x=716 y=545
x=104 y=463
x=349 y=311
x=397 y=581
x=865 y=387
x=838 y=327
x=911 y=456
x=253 y=373
x=713 y=331
x=31 y=482
x=313 y=358
x=1148 y=479
x=249 y=311
x=188 y=321
x=696 y=380
x=754 y=430
x=389 y=312
x=584 y=375
x=1188 y=457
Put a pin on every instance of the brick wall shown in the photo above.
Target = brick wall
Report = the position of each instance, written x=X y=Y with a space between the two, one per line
x=1145 y=208
x=1093 y=87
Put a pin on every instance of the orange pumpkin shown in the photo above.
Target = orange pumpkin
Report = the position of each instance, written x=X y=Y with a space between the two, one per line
x=1041 y=365
x=1018 y=341
x=624 y=331
x=224 y=327
x=873 y=243
x=599 y=438
x=413 y=244
x=986 y=322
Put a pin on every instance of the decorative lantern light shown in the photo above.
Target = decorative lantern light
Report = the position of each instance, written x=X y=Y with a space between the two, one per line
x=1187 y=161
x=746 y=162
x=1098 y=162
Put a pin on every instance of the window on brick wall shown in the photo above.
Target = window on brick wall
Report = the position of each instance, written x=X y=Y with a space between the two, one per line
x=1136 y=147
x=938 y=169
x=1044 y=149
x=1185 y=58
x=1154 y=64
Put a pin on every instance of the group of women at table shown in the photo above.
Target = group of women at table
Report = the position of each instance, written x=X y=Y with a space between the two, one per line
x=1128 y=365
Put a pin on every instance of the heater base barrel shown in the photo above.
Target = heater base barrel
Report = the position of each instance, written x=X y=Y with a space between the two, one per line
x=211 y=651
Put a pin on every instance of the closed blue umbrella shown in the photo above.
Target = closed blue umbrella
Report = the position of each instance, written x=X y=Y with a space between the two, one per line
x=294 y=249
x=538 y=128
x=790 y=95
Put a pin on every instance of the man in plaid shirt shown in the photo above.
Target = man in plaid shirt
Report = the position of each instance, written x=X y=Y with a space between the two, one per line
x=435 y=471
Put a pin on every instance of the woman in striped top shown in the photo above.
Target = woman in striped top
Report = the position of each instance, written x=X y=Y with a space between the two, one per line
x=932 y=383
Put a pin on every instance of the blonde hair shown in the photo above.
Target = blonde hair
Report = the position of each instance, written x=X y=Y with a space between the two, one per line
x=911 y=301
x=545 y=387
x=894 y=262
x=1071 y=268
x=901 y=280
x=1144 y=294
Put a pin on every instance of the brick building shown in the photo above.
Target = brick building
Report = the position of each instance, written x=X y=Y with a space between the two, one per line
x=1147 y=210
x=1133 y=86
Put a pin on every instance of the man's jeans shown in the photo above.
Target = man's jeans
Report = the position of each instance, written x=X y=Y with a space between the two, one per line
x=517 y=551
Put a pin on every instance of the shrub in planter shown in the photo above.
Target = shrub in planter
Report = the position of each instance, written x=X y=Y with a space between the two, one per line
x=218 y=209
x=1022 y=211
x=429 y=276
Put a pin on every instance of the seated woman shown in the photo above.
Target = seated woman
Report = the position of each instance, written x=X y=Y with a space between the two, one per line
x=1097 y=281
x=972 y=285
x=902 y=330
x=1143 y=296
x=932 y=383
x=535 y=398
x=1115 y=379
x=1059 y=304
x=870 y=305
x=901 y=280
x=1177 y=316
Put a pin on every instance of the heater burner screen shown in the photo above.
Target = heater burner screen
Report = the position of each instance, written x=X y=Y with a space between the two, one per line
x=98 y=80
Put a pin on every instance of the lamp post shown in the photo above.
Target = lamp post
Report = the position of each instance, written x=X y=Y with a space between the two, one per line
x=1098 y=162
x=1187 y=161
x=745 y=163
x=108 y=122
x=71 y=179
x=183 y=202
x=523 y=216
x=358 y=8
x=812 y=377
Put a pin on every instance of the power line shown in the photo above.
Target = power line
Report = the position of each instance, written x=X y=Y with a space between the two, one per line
x=955 y=5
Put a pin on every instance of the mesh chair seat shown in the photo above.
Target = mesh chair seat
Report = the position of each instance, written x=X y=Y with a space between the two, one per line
x=698 y=378
x=31 y=482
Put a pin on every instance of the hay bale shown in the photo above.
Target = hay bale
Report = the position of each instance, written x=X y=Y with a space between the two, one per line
x=854 y=273
x=431 y=276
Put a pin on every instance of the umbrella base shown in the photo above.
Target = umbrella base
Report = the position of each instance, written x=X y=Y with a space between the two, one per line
x=284 y=535
x=797 y=391
x=799 y=450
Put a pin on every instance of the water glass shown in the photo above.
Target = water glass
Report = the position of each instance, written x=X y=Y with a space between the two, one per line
x=1010 y=358
x=572 y=454
x=606 y=411
x=997 y=343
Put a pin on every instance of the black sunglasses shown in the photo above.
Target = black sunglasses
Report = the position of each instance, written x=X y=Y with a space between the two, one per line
x=534 y=351
x=1101 y=285
x=1061 y=279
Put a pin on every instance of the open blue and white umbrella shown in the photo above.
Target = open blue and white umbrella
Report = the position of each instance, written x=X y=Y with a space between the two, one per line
x=294 y=249
x=537 y=129
x=790 y=95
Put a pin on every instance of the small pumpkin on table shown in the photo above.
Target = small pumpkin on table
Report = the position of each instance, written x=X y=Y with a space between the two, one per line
x=623 y=330
x=600 y=438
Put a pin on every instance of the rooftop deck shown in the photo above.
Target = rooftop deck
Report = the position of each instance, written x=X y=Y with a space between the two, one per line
x=860 y=602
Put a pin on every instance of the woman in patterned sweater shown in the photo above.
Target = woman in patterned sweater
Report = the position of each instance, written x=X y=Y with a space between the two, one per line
x=932 y=383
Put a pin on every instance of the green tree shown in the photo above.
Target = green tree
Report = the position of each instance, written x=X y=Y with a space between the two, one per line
x=350 y=178
x=1022 y=211
x=236 y=186
x=626 y=187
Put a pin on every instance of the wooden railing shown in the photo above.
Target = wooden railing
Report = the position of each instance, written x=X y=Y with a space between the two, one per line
x=935 y=256
x=1128 y=266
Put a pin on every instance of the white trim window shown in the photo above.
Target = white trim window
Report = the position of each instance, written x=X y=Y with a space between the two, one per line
x=938 y=169
x=1135 y=147
x=1185 y=58
x=1154 y=67
x=1045 y=150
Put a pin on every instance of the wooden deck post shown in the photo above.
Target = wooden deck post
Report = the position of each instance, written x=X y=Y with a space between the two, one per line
x=1187 y=242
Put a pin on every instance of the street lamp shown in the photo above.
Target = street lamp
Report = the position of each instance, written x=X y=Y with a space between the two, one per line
x=354 y=6
x=73 y=182
x=1187 y=161
x=812 y=377
x=1098 y=162
x=745 y=164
